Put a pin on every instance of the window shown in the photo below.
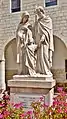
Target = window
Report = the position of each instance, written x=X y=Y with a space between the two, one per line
x=50 y=3
x=15 y=6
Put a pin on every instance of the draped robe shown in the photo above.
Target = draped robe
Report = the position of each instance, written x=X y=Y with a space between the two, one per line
x=26 y=58
x=44 y=38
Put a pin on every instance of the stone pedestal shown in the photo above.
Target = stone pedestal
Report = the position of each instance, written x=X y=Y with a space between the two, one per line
x=27 y=89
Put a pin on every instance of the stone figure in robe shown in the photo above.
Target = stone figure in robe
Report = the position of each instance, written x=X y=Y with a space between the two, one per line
x=26 y=58
x=34 y=57
x=44 y=41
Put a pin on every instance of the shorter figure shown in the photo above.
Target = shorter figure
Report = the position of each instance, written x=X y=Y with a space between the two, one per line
x=26 y=47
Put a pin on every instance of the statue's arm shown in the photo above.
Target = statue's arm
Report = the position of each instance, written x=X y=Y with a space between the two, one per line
x=30 y=36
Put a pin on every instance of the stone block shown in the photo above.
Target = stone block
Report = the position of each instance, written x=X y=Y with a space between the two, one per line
x=27 y=89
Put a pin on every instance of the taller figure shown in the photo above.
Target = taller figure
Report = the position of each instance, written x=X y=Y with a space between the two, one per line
x=26 y=58
x=44 y=39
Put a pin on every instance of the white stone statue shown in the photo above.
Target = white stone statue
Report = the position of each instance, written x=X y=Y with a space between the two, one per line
x=29 y=62
x=26 y=47
x=44 y=40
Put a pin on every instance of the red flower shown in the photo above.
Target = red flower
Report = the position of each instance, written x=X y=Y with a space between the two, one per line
x=65 y=110
x=23 y=115
x=19 y=105
x=6 y=97
x=6 y=113
x=29 y=112
x=42 y=98
x=2 y=105
x=1 y=116
x=59 y=110
x=60 y=89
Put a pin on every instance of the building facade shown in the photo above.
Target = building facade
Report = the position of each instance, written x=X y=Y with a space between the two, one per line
x=10 y=11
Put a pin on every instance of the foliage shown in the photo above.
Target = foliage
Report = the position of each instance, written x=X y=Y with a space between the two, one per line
x=39 y=110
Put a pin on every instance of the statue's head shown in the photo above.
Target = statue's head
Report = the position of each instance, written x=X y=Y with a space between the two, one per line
x=40 y=10
x=24 y=17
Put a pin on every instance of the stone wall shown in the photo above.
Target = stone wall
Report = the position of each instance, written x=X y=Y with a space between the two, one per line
x=59 y=74
x=59 y=16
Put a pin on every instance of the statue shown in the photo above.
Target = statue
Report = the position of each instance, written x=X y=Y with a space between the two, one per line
x=34 y=55
x=44 y=40
x=26 y=58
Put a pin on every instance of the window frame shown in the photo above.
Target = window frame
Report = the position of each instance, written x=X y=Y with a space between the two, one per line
x=16 y=11
x=51 y=5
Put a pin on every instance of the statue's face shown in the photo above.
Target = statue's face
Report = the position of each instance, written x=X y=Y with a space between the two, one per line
x=25 y=19
x=39 y=13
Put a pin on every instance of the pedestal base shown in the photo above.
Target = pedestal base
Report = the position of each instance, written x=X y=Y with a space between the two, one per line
x=27 y=89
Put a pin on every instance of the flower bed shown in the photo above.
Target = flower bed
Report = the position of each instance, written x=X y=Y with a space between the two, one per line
x=39 y=110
